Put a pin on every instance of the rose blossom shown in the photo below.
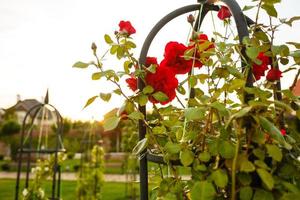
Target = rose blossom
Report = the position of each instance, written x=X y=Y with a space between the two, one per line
x=174 y=58
x=259 y=70
x=224 y=13
x=132 y=81
x=126 y=27
x=273 y=74
x=283 y=132
x=163 y=80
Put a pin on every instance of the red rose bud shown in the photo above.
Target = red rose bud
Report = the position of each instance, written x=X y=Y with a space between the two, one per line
x=126 y=28
x=224 y=13
x=283 y=132
x=191 y=19
x=132 y=83
x=274 y=74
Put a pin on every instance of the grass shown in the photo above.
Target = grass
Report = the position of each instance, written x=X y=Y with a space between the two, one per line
x=111 y=190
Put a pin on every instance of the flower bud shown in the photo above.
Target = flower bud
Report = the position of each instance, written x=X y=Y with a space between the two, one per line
x=191 y=19
x=94 y=47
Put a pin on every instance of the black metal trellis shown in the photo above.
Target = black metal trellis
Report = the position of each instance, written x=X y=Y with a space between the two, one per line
x=242 y=28
x=28 y=151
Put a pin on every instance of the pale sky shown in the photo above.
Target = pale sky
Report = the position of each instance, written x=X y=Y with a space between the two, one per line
x=40 y=40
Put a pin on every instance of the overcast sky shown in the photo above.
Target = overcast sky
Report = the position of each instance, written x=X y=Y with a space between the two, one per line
x=41 y=39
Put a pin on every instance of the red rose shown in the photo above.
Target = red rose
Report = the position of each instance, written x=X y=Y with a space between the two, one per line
x=132 y=83
x=259 y=70
x=126 y=27
x=163 y=80
x=224 y=13
x=174 y=58
x=283 y=132
x=273 y=74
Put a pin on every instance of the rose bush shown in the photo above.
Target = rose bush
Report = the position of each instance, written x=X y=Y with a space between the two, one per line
x=207 y=115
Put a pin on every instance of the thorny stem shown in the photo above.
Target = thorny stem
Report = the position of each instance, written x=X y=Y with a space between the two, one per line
x=257 y=14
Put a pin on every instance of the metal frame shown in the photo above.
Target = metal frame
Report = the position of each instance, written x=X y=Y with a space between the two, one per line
x=27 y=149
x=241 y=22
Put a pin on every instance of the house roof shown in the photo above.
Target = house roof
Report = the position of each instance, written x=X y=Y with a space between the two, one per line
x=296 y=90
x=26 y=105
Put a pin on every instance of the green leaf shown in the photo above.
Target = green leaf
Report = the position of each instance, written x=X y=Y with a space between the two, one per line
x=204 y=156
x=266 y=178
x=120 y=52
x=247 y=166
x=108 y=39
x=172 y=148
x=284 y=50
x=273 y=131
x=270 y=9
x=252 y=52
x=152 y=68
x=148 y=89
x=105 y=96
x=248 y=8
x=220 y=107
x=186 y=157
x=226 y=149
x=160 y=96
x=261 y=164
x=236 y=84
x=159 y=130
x=297 y=45
x=271 y=1
x=194 y=113
x=203 y=190
x=246 y=193
x=289 y=196
x=259 y=153
x=192 y=81
x=274 y=152
x=239 y=114
x=97 y=75
x=114 y=49
x=262 y=195
x=140 y=146
x=89 y=101
x=235 y=72
x=136 y=115
x=290 y=21
x=111 y=123
x=244 y=178
x=142 y=99
x=220 y=178
x=81 y=65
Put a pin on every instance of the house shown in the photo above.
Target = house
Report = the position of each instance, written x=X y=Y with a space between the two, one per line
x=22 y=107
x=2 y=112
x=296 y=90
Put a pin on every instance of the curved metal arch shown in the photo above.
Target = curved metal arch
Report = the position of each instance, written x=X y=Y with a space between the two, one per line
x=57 y=172
x=241 y=23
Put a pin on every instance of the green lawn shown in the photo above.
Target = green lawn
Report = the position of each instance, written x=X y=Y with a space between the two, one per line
x=111 y=190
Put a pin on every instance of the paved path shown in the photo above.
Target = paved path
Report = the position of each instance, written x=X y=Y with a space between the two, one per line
x=69 y=176
x=73 y=176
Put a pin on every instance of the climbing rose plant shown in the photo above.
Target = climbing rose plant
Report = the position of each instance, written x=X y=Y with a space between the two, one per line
x=238 y=141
